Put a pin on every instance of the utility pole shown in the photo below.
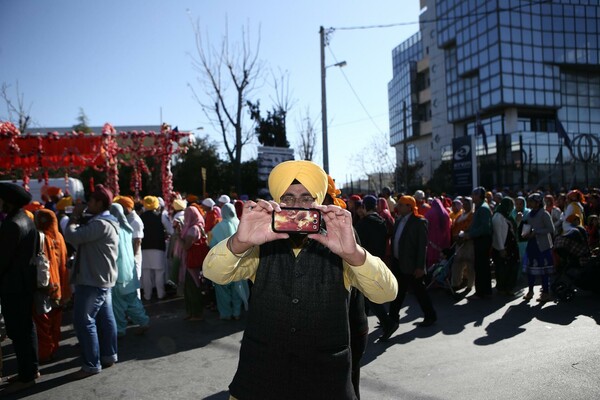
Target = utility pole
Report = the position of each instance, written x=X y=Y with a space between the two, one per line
x=322 y=34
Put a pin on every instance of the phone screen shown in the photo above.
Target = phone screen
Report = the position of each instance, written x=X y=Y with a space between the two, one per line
x=297 y=220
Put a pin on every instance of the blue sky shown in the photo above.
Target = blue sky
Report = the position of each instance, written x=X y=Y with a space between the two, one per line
x=125 y=61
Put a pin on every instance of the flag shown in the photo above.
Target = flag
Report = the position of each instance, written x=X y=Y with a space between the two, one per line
x=562 y=134
x=481 y=131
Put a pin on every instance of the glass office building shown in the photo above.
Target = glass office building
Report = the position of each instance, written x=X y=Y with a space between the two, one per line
x=529 y=73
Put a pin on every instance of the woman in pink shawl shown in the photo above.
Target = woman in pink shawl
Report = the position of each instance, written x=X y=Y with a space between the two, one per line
x=192 y=231
x=438 y=235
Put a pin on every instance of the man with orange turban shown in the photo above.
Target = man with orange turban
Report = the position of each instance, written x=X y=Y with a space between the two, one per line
x=298 y=321
x=409 y=247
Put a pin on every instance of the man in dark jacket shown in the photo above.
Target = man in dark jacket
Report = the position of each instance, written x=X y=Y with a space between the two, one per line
x=372 y=231
x=409 y=246
x=18 y=244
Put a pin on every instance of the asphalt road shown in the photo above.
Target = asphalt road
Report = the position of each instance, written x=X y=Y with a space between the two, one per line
x=500 y=348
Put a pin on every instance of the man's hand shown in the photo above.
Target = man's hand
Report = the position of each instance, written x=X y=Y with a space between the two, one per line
x=255 y=226
x=78 y=210
x=340 y=235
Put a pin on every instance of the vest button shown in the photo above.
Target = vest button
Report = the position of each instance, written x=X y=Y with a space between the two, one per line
x=295 y=301
x=293 y=330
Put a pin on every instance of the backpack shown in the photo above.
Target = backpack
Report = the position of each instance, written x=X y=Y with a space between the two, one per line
x=42 y=265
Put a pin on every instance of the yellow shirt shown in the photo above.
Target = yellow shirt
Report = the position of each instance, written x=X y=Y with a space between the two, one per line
x=373 y=278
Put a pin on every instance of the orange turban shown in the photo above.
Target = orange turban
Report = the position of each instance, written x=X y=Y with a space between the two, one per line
x=334 y=192
x=576 y=195
x=33 y=206
x=125 y=201
x=411 y=202
x=54 y=191
x=191 y=198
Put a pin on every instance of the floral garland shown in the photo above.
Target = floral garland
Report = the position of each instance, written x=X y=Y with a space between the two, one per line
x=114 y=149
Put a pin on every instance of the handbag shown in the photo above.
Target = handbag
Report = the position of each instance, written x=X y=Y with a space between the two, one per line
x=42 y=265
x=197 y=253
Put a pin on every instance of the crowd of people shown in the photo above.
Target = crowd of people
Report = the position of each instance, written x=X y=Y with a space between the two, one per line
x=111 y=255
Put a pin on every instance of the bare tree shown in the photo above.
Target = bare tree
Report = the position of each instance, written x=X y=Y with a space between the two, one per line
x=17 y=114
x=227 y=74
x=308 y=137
x=375 y=160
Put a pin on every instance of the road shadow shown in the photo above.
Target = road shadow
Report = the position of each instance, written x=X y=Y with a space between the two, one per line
x=455 y=314
x=169 y=334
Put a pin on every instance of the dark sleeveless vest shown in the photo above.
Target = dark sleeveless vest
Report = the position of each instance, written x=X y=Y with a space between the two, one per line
x=154 y=232
x=296 y=343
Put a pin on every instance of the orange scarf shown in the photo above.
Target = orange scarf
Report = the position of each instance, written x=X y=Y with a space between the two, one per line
x=56 y=251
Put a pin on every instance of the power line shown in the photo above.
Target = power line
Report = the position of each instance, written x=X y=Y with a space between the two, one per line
x=425 y=21
x=356 y=94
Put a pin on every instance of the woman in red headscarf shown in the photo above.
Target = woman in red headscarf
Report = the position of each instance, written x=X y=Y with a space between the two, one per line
x=59 y=291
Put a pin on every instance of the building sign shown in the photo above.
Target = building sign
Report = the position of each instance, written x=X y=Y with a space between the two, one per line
x=269 y=157
x=462 y=165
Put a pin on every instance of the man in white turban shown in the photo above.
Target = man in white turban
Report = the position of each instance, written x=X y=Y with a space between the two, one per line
x=296 y=343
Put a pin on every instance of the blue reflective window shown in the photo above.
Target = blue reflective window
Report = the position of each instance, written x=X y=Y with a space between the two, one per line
x=539 y=83
x=559 y=39
x=536 y=38
x=507 y=94
x=519 y=96
x=507 y=65
x=539 y=97
x=518 y=67
x=516 y=35
x=548 y=39
x=494 y=68
x=495 y=82
x=484 y=86
x=530 y=96
x=496 y=97
x=486 y=100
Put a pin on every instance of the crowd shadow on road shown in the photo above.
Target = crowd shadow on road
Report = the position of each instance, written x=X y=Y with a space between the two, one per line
x=454 y=315
x=169 y=334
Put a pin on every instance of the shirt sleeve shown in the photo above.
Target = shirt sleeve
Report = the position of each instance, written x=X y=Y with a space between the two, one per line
x=222 y=266
x=373 y=279
x=89 y=232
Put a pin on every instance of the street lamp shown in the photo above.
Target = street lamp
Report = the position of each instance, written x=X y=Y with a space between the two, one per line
x=340 y=64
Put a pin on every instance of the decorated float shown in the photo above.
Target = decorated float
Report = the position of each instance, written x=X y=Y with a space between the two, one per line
x=35 y=154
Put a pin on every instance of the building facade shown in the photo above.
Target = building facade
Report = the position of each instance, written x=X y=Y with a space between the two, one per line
x=526 y=74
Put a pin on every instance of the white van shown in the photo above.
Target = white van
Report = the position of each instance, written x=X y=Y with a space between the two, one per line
x=75 y=187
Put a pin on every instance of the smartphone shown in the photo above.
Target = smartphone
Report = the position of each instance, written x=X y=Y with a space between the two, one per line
x=297 y=220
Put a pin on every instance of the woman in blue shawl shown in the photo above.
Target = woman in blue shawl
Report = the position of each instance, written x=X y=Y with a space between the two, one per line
x=230 y=296
x=125 y=299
